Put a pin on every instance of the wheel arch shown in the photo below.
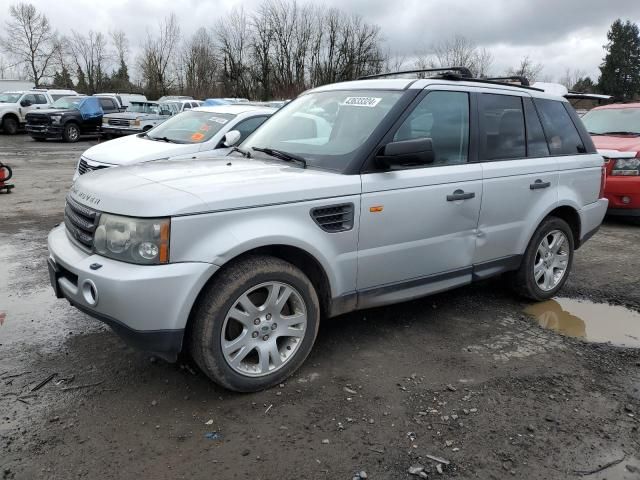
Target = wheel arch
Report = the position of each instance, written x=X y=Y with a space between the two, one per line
x=567 y=212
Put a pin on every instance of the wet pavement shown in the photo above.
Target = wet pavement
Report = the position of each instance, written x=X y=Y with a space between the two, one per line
x=466 y=376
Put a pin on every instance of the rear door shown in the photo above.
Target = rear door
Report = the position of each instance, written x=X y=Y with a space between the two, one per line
x=415 y=236
x=520 y=177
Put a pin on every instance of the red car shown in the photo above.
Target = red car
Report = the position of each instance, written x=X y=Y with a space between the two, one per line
x=615 y=130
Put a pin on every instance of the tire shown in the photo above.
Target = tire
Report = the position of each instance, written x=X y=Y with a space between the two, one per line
x=216 y=313
x=71 y=133
x=541 y=278
x=10 y=125
x=39 y=139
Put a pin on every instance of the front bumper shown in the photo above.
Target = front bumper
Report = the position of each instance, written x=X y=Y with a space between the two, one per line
x=147 y=305
x=118 y=131
x=623 y=187
x=44 y=131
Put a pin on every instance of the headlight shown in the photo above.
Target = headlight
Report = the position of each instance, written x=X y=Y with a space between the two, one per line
x=105 y=121
x=135 y=240
x=136 y=122
x=626 y=166
x=55 y=118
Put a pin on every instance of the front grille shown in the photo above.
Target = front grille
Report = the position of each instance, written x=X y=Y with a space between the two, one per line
x=334 y=218
x=81 y=222
x=38 y=120
x=118 y=122
x=84 y=167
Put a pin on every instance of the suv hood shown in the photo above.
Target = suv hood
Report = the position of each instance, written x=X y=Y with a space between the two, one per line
x=169 y=188
x=129 y=115
x=133 y=149
x=622 y=143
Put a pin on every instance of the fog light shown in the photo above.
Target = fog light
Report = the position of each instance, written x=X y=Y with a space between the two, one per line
x=89 y=292
x=626 y=200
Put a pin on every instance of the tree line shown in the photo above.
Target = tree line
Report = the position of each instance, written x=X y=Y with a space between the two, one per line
x=273 y=52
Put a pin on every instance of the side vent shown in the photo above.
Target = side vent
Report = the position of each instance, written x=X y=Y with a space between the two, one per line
x=334 y=218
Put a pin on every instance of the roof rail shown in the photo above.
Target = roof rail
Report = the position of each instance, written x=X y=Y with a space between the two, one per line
x=462 y=72
x=524 y=81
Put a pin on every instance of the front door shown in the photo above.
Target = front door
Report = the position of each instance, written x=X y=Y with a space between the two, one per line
x=418 y=225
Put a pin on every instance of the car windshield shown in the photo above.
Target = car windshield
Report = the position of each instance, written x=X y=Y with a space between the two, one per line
x=9 y=97
x=191 y=127
x=325 y=128
x=613 y=120
x=143 y=108
x=67 y=103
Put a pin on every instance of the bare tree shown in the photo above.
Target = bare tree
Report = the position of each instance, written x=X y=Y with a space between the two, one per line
x=30 y=41
x=91 y=56
x=457 y=51
x=571 y=77
x=199 y=65
x=158 y=57
x=527 y=69
x=234 y=37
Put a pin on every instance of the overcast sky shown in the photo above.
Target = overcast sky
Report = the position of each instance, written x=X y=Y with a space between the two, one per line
x=560 y=34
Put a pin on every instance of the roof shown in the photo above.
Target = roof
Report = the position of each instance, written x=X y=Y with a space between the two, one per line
x=235 y=109
x=618 y=105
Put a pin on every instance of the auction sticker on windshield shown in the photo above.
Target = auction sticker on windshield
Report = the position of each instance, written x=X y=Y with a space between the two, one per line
x=218 y=120
x=362 y=101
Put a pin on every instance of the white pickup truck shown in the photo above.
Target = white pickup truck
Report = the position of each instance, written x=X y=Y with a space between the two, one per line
x=15 y=105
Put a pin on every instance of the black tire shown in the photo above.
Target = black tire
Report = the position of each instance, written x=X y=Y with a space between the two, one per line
x=220 y=295
x=524 y=282
x=10 y=125
x=71 y=133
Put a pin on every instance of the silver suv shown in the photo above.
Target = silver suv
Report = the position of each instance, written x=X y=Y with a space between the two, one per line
x=352 y=196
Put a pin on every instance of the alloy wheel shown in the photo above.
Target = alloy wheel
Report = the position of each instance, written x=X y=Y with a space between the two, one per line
x=552 y=260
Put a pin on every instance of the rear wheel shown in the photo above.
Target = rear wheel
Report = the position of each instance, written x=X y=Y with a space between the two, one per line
x=71 y=133
x=255 y=324
x=547 y=260
x=10 y=125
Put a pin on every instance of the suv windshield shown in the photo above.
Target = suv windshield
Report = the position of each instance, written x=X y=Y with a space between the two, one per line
x=613 y=120
x=325 y=128
x=67 y=103
x=143 y=108
x=9 y=97
x=191 y=127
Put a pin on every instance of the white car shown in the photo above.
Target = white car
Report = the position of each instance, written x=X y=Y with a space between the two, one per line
x=196 y=130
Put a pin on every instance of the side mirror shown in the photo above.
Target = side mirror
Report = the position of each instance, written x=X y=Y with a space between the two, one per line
x=231 y=138
x=405 y=153
x=26 y=103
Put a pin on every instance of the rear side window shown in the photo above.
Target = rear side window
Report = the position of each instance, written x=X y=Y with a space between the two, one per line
x=562 y=136
x=41 y=99
x=502 y=131
x=107 y=104
x=246 y=127
x=536 y=141
x=444 y=118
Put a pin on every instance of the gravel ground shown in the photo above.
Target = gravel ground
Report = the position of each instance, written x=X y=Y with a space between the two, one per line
x=464 y=376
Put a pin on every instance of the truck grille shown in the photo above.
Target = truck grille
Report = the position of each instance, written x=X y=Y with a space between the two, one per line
x=84 y=167
x=37 y=119
x=80 y=222
x=334 y=218
x=119 y=122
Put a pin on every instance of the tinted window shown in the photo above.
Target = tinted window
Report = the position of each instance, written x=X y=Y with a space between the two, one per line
x=247 y=126
x=41 y=99
x=536 y=141
x=107 y=104
x=30 y=98
x=562 y=135
x=502 y=133
x=444 y=118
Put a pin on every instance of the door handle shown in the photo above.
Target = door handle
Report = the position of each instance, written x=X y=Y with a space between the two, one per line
x=460 y=195
x=538 y=184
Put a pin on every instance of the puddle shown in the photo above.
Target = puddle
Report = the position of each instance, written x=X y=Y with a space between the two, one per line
x=593 y=322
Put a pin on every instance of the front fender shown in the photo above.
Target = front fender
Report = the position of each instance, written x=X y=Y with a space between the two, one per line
x=219 y=237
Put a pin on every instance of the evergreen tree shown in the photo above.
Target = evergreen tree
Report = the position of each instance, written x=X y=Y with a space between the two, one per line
x=584 y=85
x=82 y=86
x=620 y=72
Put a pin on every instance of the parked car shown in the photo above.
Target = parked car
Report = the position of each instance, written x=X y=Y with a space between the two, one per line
x=247 y=253
x=125 y=99
x=198 y=130
x=69 y=118
x=58 y=93
x=183 y=105
x=14 y=107
x=615 y=130
x=166 y=98
x=139 y=117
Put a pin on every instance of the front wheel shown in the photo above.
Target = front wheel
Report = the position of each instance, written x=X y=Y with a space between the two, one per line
x=71 y=133
x=10 y=125
x=255 y=324
x=547 y=260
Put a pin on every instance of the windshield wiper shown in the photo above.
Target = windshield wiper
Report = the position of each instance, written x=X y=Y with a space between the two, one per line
x=621 y=133
x=287 y=157
x=163 y=139
x=242 y=152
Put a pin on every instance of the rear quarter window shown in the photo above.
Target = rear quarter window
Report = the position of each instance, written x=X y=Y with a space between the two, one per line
x=561 y=133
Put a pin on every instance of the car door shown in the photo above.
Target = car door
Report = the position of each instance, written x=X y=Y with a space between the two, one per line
x=30 y=104
x=520 y=178
x=418 y=225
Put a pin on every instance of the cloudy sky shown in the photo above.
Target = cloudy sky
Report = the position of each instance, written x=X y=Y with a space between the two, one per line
x=559 y=34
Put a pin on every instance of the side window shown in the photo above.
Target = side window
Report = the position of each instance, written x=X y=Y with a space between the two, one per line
x=41 y=99
x=107 y=104
x=187 y=106
x=562 y=135
x=536 y=141
x=444 y=118
x=30 y=97
x=502 y=133
x=246 y=127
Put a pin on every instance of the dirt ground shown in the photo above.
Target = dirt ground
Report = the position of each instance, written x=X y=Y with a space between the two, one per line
x=465 y=376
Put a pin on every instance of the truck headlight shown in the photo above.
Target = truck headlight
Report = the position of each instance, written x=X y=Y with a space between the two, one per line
x=105 y=121
x=136 y=122
x=55 y=118
x=135 y=240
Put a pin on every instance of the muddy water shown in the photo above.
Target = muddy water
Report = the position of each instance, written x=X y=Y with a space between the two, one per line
x=593 y=322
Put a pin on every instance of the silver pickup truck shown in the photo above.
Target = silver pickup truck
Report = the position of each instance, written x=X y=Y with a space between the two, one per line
x=140 y=116
x=352 y=196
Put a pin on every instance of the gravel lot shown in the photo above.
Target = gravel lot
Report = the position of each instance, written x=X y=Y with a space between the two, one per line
x=465 y=376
